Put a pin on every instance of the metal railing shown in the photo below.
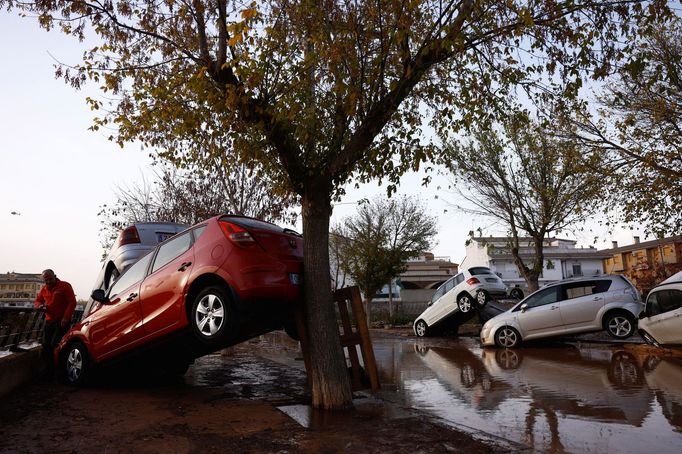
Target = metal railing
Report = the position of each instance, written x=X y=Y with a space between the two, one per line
x=21 y=325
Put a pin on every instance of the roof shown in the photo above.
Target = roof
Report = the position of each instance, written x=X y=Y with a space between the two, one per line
x=644 y=245
x=598 y=255
x=521 y=239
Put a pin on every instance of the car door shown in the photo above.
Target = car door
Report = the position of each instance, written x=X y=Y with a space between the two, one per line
x=118 y=324
x=581 y=302
x=664 y=309
x=541 y=314
x=162 y=292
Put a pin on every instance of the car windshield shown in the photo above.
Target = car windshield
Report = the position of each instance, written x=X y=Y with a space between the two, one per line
x=479 y=270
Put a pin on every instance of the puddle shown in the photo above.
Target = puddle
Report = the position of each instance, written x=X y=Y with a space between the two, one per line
x=551 y=398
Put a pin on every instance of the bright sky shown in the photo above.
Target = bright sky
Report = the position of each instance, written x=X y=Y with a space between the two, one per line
x=56 y=173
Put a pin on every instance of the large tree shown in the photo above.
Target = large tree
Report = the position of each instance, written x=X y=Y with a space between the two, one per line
x=321 y=92
x=374 y=244
x=639 y=133
x=530 y=181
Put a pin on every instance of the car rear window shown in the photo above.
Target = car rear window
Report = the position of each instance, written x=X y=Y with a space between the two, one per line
x=479 y=270
x=253 y=224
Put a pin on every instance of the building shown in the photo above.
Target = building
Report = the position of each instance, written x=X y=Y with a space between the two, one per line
x=645 y=263
x=561 y=259
x=19 y=289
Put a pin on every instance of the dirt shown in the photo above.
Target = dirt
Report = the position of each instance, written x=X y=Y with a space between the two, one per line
x=228 y=403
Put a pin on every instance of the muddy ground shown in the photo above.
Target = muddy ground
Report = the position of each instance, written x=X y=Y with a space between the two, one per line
x=236 y=404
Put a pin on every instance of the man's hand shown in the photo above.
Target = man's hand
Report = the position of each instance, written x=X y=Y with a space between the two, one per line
x=42 y=307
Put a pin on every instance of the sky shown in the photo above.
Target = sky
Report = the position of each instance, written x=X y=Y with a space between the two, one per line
x=56 y=173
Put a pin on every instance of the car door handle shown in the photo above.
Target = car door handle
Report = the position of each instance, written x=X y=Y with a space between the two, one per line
x=131 y=297
x=596 y=298
x=184 y=266
x=555 y=307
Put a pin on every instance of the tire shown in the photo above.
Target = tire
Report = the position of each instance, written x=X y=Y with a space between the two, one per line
x=507 y=359
x=623 y=371
x=75 y=368
x=482 y=298
x=516 y=293
x=507 y=337
x=212 y=317
x=619 y=325
x=649 y=339
x=421 y=329
x=464 y=303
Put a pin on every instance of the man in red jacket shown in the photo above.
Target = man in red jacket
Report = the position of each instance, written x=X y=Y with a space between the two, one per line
x=58 y=301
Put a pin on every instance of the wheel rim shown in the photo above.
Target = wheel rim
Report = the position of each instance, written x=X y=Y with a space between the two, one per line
x=515 y=294
x=619 y=326
x=507 y=337
x=74 y=365
x=465 y=304
x=480 y=296
x=209 y=315
x=421 y=329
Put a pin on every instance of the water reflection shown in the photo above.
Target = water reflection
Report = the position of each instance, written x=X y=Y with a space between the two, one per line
x=551 y=398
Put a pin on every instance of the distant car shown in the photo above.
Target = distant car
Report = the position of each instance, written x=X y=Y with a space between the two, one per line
x=459 y=294
x=661 y=321
x=571 y=306
x=132 y=243
x=218 y=283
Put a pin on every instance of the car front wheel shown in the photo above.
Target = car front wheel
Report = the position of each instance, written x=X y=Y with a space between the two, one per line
x=420 y=328
x=76 y=364
x=507 y=337
x=516 y=293
x=464 y=303
x=211 y=315
x=620 y=326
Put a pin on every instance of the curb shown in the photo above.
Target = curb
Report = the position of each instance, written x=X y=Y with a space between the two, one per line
x=19 y=368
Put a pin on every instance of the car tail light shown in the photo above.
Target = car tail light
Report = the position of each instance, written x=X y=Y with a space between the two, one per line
x=237 y=234
x=473 y=280
x=129 y=235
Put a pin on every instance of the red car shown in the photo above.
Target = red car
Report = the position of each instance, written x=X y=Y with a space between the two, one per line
x=215 y=284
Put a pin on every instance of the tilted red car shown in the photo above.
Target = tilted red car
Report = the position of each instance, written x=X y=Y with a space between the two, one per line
x=220 y=282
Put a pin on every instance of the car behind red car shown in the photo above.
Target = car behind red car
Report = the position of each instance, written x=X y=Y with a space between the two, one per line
x=220 y=282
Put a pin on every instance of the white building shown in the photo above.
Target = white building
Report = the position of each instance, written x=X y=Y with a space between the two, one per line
x=561 y=259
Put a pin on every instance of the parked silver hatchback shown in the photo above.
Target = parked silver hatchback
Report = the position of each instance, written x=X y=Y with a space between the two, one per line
x=571 y=306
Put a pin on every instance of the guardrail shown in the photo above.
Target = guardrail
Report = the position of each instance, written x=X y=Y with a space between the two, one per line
x=19 y=325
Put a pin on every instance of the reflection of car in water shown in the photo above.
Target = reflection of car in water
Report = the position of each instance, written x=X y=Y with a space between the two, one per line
x=465 y=375
x=596 y=384
x=664 y=376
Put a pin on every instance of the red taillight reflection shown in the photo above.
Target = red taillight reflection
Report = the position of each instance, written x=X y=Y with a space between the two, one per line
x=472 y=281
x=237 y=234
x=128 y=236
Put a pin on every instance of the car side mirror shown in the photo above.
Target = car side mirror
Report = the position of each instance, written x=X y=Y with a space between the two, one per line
x=99 y=296
x=524 y=306
x=430 y=304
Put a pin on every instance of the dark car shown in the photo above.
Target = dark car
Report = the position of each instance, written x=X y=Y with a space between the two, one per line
x=218 y=283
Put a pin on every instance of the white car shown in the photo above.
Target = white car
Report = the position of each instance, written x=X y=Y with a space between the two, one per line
x=661 y=321
x=571 y=306
x=475 y=285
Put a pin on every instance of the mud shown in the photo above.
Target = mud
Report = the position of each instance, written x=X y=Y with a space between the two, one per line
x=236 y=401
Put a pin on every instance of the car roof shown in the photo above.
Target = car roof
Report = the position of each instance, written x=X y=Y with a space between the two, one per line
x=675 y=278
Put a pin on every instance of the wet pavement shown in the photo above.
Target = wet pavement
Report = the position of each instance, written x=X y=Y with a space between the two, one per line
x=438 y=394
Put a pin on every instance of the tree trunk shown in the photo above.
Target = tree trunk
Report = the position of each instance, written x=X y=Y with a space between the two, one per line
x=368 y=310
x=391 y=310
x=331 y=387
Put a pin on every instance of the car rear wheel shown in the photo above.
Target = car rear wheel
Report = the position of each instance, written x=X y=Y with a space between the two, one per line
x=619 y=325
x=76 y=364
x=482 y=298
x=507 y=337
x=212 y=315
x=421 y=329
x=464 y=303
x=516 y=293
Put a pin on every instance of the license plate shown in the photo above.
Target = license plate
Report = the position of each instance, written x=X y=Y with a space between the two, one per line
x=163 y=236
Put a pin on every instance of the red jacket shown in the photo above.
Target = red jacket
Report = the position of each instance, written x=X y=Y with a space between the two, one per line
x=60 y=301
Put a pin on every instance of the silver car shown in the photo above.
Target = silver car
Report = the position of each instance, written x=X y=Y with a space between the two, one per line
x=661 y=321
x=459 y=294
x=571 y=306
x=132 y=243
